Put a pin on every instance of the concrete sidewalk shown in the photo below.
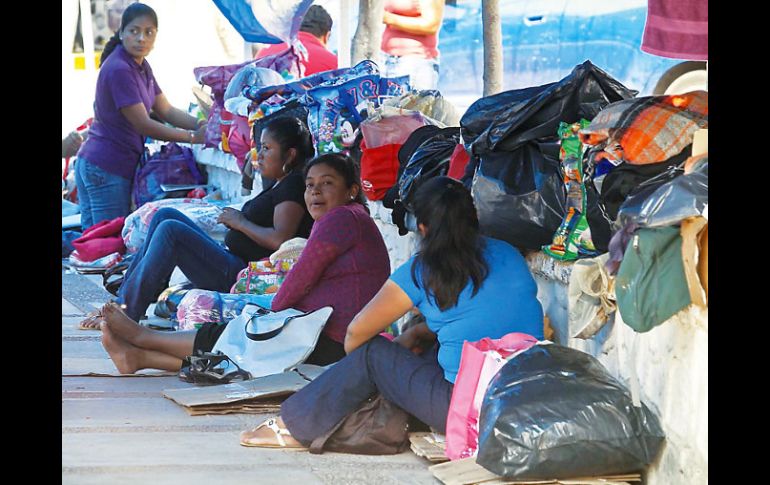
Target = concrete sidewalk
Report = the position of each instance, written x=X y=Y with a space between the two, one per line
x=121 y=430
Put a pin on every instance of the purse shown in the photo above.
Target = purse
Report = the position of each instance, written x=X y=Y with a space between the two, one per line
x=378 y=427
x=265 y=343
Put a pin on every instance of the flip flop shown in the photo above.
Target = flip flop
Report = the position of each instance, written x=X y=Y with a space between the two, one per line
x=92 y=317
x=280 y=432
x=203 y=369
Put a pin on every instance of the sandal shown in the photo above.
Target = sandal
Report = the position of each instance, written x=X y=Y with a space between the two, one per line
x=117 y=270
x=92 y=317
x=280 y=432
x=203 y=369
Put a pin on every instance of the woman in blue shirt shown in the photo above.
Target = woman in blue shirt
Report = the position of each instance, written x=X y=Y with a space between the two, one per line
x=466 y=286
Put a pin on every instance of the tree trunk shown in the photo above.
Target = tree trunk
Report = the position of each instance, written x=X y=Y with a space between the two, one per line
x=493 y=47
x=366 y=41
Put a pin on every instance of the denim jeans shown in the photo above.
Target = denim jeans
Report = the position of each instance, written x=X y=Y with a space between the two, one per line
x=423 y=73
x=174 y=240
x=415 y=383
x=102 y=196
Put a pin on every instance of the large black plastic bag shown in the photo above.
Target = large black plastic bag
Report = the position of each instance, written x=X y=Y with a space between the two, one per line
x=520 y=196
x=430 y=160
x=519 y=128
x=667 y=199
x=555 y=412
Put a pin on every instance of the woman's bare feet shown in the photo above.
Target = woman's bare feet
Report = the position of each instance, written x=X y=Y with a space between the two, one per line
x=123 y=354
x=121 y=324
x=91 y=322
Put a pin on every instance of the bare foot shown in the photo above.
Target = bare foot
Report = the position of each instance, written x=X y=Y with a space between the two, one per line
x=269 y=435
x=91 y=322
x=123 y=354
x=120 y=323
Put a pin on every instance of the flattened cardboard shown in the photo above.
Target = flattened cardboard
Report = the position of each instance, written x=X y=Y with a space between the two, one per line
x=425 y=445
x=468 y=472
x=259 y=388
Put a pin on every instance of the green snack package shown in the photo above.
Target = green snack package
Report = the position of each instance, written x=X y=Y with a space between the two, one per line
x=572 y=239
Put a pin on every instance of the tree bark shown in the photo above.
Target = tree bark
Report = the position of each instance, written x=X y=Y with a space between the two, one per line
x=493 y=47
x=366 y=41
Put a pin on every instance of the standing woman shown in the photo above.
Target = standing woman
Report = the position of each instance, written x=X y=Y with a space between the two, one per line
x=410 y=41
x=126 y=92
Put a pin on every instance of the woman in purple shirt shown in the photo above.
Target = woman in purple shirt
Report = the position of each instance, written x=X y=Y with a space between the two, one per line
x=343 y=265
x=126 y=92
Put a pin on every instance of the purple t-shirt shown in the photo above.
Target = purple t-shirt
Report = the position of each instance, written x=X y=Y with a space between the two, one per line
x=113 y=144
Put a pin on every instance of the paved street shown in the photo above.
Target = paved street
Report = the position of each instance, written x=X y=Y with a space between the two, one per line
x=121 y=430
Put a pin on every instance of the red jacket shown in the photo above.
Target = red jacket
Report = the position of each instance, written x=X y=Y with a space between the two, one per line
x=319 y=59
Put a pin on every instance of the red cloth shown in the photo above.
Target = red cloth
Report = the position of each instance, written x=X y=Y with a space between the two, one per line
x=678 y=29
x=458 y=162
x=319 y=59
x=379 y=169
x=343 y=265
x=100 y=240
x=398 y=42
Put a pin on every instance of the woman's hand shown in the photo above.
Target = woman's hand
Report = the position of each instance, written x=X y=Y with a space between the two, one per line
x=232 y=218
x=199 y=135
x=416 y=338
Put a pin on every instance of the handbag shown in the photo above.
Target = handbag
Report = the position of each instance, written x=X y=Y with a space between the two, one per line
x=378 y=427
x=479 y=362
x=173 y=164
x=265 y=343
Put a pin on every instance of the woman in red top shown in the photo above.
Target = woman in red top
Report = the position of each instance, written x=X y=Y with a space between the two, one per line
x=410 y=41
x=343 y=265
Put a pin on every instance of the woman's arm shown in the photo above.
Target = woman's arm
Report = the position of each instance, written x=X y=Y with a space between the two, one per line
x=172 y=115
x=429 y=21
x=332 y=236
x=287 y=217
x=389 y=304
x=137 y=115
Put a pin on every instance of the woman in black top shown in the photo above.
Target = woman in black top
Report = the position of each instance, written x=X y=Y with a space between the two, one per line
x=276 y=215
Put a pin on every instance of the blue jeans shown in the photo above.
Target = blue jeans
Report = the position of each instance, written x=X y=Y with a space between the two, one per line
x=415 y=383
x=102 y=196
x=423 y=73
x=174 y=240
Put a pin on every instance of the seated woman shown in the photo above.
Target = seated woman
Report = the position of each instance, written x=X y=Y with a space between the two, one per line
x=276 y=215
x=343 y=265
x=466 y=286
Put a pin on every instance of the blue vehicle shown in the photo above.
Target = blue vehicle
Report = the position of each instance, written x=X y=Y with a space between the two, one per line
x=543 y=40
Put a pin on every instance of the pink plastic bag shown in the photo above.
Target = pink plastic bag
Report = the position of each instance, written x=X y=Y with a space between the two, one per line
x=479 y=363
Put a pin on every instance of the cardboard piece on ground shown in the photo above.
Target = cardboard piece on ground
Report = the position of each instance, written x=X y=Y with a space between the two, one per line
x=74 y=367
x=468 y=472
x=246 y=407
x=310 y=371
x=426 y=445
x=259 y=388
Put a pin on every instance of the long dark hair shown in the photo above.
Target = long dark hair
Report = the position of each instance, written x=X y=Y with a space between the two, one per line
x=345 y=166
x=290 y=132
x=133 y=11
x=451 y=251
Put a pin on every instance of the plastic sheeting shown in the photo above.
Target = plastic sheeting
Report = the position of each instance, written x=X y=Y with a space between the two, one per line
x=555 y=412
x=430 y=160
x=264 y=21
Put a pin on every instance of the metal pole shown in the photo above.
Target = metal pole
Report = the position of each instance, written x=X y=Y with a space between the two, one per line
x=493 y=47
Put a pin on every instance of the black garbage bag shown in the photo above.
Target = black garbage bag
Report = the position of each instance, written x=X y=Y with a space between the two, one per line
x=519 y=129
x=411 y=144
x=667 y=199
x=430 y=159
x=622 y=181
x=520 y=196
x=555 y=412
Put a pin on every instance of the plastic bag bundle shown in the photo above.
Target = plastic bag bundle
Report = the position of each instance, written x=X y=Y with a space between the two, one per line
x=555 y=412
x=512 y=139
x=204 y=306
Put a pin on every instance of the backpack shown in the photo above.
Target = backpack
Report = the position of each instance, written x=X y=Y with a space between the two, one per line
x=173 y=164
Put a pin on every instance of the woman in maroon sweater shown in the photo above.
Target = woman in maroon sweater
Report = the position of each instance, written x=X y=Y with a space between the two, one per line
x=343 y=265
